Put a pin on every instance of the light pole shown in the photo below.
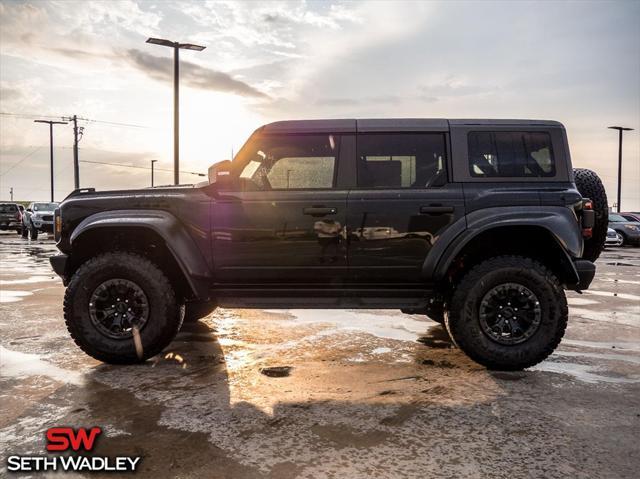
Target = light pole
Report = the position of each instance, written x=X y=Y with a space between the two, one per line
x=620 y=130
x=152 y=162
x=51 y=123
x=176 y=99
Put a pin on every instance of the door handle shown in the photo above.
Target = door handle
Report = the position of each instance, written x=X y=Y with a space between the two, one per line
x=319 y=211
x=436 y=210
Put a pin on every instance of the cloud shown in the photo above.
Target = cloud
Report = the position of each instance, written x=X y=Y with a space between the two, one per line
x=161 y=68
x=9 y=94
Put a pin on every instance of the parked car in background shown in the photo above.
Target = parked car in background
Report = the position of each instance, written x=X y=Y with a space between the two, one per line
x=631 y=216
x=613 y=238
x=38 y=218
x=629 y=230
x=10 y=217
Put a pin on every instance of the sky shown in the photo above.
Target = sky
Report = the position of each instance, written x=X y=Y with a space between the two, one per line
x=575 y=62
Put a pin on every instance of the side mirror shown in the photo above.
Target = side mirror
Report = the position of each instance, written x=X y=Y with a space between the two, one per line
x=220 y=172
x=29 y=210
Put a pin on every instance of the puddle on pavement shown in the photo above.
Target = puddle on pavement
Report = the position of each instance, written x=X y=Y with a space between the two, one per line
x=377 y=323
x=18 y=365
x=8 y=296
x=582 y=372
x=381 y=350
x=631 y=297
x=622 y=315
x=581 y=301
x=29 y=280
x=600 y=356
x=622 y=345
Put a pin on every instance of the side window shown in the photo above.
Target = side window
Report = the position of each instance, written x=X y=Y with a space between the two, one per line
x=401 y=160
x=285 y=162
x=510 y=154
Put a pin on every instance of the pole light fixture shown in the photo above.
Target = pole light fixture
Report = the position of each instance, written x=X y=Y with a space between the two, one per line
x=152 y=162
x=51 y=123
x=620 y=130
x=177 y=46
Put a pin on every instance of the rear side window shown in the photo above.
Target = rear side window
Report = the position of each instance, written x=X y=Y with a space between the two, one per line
x=513 y=154
x=401 y=160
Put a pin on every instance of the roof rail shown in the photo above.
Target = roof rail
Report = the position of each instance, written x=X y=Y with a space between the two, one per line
x=80 y=191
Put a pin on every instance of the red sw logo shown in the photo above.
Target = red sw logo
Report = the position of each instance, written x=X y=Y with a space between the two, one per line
x=65 y=438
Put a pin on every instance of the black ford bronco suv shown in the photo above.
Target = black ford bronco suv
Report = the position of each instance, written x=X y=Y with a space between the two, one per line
x=477 y=224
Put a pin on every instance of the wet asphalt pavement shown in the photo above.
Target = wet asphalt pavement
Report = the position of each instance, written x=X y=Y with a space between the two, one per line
x=354 y=394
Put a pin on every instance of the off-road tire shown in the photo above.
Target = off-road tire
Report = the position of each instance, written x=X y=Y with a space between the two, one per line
x=165 y=314
x=590 y=186
x=462 y=319
x=197 y=310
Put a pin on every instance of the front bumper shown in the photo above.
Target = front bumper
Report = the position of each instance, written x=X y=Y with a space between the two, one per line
x=632 y=237
x=43 y=225
x=10 y=225
x=59 y=265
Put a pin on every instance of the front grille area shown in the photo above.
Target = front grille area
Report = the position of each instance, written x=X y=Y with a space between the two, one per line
x=47 y=218
x=611 y=234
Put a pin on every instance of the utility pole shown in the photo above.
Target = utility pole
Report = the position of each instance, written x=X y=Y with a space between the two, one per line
x=620 y=130
x=77 y=135
x=176 y=96
x=51 y=123
x=152 y=162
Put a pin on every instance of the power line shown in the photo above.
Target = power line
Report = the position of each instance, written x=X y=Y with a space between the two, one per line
x=28 y=116
x=28 y=155
x=138 y=167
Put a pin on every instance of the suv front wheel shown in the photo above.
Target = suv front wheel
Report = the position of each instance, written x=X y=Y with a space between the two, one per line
x=120 y=308
x=508 y=313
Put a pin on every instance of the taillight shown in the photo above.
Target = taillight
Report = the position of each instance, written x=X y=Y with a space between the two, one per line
x=588 y=218
x=57 y=225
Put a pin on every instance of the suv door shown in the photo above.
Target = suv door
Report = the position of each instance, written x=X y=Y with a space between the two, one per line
x=282 y=219
x=402 y=204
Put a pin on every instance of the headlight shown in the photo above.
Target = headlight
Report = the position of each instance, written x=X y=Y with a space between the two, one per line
x=632 y=227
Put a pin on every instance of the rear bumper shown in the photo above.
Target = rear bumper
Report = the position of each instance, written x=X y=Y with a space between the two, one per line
x=586 y=271
x=59 y=265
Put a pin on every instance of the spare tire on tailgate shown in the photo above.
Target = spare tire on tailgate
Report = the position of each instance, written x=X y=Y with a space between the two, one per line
x=590 y=186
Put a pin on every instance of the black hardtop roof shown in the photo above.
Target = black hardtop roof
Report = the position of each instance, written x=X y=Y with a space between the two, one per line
x=390 y=124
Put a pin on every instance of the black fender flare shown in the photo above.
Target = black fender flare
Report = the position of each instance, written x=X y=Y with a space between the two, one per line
x=559 y=221
x=169 y=228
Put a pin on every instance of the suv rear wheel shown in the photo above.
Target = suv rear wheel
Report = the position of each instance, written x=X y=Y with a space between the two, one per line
x=508 y=313
x=120 y=308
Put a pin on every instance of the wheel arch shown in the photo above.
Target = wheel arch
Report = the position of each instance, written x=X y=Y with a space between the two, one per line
x=157 y=235
x=552 y=238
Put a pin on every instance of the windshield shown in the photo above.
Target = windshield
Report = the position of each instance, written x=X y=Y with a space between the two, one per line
x=8 y=208
x=617 y=218
x=45 y=206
